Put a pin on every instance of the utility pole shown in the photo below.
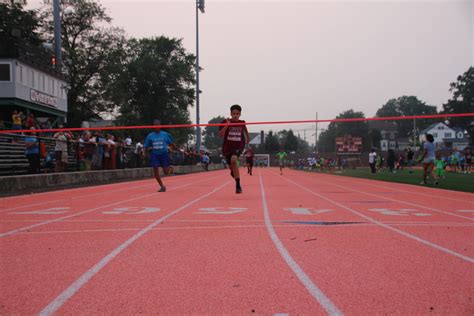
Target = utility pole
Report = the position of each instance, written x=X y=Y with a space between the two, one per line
x=57 y=34
x=316 y=134
x=199 y=7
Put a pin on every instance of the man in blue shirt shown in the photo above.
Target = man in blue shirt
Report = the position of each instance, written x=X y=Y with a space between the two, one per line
x=156 y=143
x=32 y=152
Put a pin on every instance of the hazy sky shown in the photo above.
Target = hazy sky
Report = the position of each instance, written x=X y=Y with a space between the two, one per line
x=287 y=60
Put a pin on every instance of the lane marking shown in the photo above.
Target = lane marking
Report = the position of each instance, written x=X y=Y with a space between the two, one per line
x=132 y=210
x=221 y=210
x=62 y=298
x=53 y=210
x=305 y=211
x=323 y=300
x=466 y=211
x=401 y=232
x=397 y=212
x=93 y=209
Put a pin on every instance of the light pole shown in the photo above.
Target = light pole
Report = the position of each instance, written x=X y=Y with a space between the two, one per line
x=57 y=34
x=199 y=7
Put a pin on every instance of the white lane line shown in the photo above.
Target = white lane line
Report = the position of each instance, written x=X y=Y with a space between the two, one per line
x=92 y=209
x=323 y=300
x=401 y=232
x=62 y=298
x=128 y=187
x=366 y=181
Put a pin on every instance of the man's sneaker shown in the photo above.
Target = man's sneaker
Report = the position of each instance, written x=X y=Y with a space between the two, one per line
x=162 y=189
x=238 y=190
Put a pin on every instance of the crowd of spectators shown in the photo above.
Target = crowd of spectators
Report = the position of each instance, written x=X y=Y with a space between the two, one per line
x=89 y=150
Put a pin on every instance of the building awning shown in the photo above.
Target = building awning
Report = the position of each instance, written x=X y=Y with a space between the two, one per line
x=32 y=106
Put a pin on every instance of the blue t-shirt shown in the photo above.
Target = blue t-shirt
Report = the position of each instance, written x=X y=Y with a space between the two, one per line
x=34 y=149
x=159 y=142
x=430 y=150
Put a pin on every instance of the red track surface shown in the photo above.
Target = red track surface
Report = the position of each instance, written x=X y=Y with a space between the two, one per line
x=301 y=243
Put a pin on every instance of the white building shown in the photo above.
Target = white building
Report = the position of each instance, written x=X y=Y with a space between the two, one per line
x=445 y=136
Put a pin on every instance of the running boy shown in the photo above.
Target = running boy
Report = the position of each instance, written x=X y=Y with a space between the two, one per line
x=157 y=143
x=235 y=139
x=281 y=160
x=249 y=160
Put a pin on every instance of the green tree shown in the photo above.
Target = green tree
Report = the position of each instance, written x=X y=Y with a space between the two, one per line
x=407 y=106
x=157 y=82
x=212 y=140
x=271 y=143
x=327 y=139
x=462 y=101
x=90 y=48
x=290 y=143
x=16 y=23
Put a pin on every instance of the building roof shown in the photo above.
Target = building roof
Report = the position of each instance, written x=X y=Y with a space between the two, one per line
x=426 y=130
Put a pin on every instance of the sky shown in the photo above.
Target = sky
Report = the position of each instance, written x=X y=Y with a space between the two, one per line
x=287 y=60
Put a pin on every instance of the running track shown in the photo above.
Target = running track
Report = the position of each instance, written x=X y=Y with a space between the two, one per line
x=301 y=243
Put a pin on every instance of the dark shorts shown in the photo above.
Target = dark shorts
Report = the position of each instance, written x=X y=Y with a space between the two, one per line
x=249 y=161
x=162 y=160
x=228 y=156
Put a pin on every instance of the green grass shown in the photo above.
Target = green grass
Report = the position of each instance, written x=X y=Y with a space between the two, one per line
x=453 y=181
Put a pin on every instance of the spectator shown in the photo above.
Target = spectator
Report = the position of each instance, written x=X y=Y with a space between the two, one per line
x=372 y=158
x=32 y=152
x=410 y=158
x=138 y=154
x=30 y=122
x=110 y=153
x=86 y=151
x=391 y=160
x=468 y=156
x=47 y=125
x=205 y=161
x=16 y=119
x=60 y=150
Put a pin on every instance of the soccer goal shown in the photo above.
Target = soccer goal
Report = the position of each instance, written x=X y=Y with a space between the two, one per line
x=261 y=160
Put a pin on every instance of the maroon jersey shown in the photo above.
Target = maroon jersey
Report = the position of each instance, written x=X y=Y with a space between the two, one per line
x=249 y=154
x=234 y=138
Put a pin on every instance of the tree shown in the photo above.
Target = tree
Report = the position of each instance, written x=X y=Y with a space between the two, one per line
x=157 y=82
x=290 y=143
x=462 y=101
x=327 y=139
x=212 y=140
x=271 y=143
x=407 y=106
x=89 y=49
x=17 y=23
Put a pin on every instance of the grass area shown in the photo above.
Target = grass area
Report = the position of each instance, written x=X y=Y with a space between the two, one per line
x=453 y=181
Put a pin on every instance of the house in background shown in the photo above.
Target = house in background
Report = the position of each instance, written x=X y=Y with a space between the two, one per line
x=389 y=133
x=445 y=136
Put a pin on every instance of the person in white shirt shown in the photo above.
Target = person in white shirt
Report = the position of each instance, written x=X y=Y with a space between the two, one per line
x=372 y=158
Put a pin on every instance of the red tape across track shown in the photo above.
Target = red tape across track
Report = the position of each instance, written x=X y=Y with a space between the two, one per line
x=356 y=119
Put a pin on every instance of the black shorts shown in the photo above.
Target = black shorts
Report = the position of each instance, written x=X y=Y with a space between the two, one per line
x=228 y=156
x=249 y=161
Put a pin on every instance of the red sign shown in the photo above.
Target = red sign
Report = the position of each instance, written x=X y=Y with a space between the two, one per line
x=348 y=145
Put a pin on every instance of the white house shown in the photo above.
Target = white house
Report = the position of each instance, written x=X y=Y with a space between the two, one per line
x=445 y=136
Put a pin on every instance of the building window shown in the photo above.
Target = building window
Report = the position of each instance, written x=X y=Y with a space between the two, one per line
x=5 y=73
x=441 y=127
x=447 y=135
x=392 y=135
x=435 y=135
x=42 y=84
x=51 y=86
